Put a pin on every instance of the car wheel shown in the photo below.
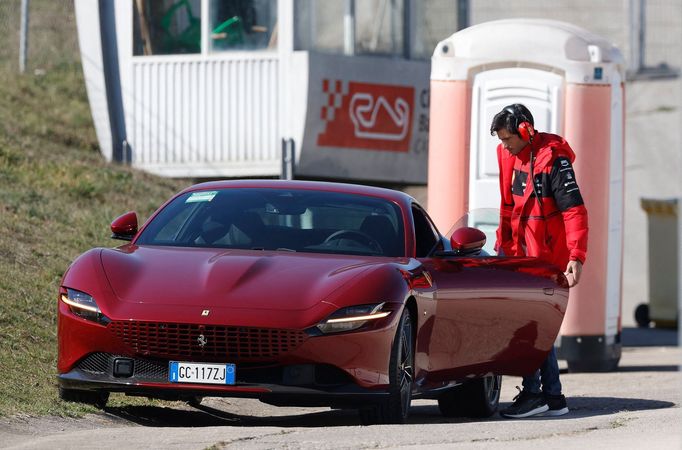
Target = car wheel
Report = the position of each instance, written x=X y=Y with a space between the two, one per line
x=642 y=315
x=475 y=398
x=396 y=407
x=97 y=399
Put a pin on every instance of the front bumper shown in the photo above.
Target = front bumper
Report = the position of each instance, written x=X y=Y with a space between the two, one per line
x=293 y=385
x=362 y=356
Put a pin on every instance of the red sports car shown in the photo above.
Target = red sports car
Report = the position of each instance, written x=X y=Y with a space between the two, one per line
x=303 y=293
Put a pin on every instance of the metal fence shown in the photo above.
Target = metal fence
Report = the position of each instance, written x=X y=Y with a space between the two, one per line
x=52 y=38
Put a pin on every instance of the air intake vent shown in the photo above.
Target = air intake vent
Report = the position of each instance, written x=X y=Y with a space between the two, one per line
x=205 y=342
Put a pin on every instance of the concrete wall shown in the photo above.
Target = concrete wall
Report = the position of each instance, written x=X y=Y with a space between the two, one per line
x=653 y=169
x=606 y=18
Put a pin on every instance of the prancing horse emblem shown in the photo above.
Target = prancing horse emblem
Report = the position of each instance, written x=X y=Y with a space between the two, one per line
x=202 y=340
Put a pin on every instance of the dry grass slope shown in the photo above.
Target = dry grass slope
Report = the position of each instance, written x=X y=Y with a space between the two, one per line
x=57 y=198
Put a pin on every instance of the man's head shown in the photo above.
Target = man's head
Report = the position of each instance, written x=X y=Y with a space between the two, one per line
x=514 y=127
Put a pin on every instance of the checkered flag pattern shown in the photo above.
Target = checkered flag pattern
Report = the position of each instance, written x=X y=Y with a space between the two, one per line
x=334 y=90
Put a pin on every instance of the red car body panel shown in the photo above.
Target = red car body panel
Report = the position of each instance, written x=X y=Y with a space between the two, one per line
x=227 y=278
x=473 y=316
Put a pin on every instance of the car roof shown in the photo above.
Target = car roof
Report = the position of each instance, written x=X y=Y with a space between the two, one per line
x=347 y=188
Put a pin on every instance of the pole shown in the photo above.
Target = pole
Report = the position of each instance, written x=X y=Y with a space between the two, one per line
x=462 y=14
x=349 y=28
x=288 y=159
x=23 y=36
x=641 y=63
x=409 y=11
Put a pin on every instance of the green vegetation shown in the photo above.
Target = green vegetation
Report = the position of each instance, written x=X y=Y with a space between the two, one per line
x=57 y=199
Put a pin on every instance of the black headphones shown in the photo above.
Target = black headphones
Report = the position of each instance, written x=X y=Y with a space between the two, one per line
x=522 y=125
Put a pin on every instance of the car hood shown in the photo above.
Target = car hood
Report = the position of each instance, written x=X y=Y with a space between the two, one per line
x=227 y=278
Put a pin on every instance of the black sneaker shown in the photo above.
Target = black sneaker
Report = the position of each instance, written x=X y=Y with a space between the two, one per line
x=526 y=404
x=557 y=405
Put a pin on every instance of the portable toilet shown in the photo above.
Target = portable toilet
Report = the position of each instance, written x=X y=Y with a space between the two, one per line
x=572 y=82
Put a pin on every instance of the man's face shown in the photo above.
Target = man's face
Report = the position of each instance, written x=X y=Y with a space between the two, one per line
x=511 y=142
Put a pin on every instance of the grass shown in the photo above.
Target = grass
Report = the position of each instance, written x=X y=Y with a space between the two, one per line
x=57 y=199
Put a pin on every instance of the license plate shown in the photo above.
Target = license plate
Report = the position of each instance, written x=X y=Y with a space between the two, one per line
x=187 y=372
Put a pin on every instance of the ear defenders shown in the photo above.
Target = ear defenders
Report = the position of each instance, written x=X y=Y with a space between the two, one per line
x=522 y=125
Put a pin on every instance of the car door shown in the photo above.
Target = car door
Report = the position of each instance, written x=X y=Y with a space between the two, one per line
x=487 y=314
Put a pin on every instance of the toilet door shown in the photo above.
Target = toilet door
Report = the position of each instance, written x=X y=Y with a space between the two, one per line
x=543 y=94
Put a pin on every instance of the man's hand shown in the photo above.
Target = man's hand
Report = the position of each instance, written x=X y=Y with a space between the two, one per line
x=573 y=271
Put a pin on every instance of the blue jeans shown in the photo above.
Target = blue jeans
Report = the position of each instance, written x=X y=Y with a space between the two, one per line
x=548 y=374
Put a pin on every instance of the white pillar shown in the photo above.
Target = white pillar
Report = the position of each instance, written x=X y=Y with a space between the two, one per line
x=23 y=36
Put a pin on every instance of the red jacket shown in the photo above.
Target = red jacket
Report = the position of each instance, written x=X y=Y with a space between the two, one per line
x=554 y=229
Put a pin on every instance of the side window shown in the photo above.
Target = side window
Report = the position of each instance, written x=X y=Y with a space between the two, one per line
x=166 y=27
x=426 y=236
x=171 y=27
x=242 y=25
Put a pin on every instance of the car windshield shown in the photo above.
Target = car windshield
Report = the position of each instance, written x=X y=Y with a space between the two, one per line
x=279 y=219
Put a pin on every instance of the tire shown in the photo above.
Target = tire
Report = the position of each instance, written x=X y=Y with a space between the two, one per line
x=475 y=398
x=396 y=408
x=642 y=315
x=195 y=401
x=94 y=398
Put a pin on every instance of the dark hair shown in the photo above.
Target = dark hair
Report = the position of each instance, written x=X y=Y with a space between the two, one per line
x=510 y=117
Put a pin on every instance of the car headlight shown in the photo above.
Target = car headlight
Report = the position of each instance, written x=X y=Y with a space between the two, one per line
x=83 y=305
x=353 y=317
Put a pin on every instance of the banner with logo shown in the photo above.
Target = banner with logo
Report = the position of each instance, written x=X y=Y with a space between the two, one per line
x=366 y=119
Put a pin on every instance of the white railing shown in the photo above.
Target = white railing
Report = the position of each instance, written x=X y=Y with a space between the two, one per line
x=211 y=117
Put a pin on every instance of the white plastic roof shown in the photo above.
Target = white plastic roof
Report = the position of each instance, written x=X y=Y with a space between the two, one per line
x=556 y=45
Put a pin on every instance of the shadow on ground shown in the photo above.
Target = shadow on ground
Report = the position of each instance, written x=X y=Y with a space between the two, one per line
x=622 y=368
x=205 y=416
x=649 y=337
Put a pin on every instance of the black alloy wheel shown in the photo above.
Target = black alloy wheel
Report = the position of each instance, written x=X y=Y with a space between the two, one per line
x=396 y=408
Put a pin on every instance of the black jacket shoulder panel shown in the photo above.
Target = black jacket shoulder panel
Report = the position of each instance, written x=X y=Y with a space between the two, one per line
x=564 y=185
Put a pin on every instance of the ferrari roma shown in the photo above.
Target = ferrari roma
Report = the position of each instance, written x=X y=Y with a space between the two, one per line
x=303 y=293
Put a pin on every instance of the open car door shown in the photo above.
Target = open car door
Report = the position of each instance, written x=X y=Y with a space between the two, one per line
x=491 y=314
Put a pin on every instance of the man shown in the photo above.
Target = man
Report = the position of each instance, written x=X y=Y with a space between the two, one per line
x=542 y=214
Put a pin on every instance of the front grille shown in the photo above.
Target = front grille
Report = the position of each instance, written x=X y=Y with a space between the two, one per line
x=205 y=342
x=103 y=364
x=96 y=363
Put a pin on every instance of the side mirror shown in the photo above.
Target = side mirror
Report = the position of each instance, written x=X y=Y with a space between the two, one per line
x=124 y=227
x=467 y=240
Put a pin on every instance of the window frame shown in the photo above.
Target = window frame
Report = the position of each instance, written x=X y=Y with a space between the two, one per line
x=205 y=50
x=434 y=230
